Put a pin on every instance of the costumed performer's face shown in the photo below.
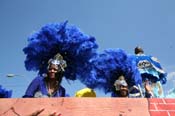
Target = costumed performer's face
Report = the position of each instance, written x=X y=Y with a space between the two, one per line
x=53 y=69
x=123 y=91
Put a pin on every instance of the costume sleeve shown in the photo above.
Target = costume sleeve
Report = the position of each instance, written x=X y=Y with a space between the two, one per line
x=62 y=92
x=32 y=88
x=159 y=69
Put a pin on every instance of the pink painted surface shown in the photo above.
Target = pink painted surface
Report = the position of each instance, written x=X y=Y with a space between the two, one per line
x=75 y=106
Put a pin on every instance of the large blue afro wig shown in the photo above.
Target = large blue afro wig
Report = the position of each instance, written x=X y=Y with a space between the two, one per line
x=108 y=66
x=75 y=47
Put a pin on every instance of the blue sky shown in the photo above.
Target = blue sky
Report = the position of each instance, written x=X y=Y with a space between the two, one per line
x=115 y=24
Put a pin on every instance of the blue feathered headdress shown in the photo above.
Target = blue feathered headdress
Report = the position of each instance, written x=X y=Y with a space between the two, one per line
x=5 y=93
x=108 y=66
x=75 y=47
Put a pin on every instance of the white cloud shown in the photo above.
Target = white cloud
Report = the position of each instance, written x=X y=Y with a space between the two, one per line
x=170 y=76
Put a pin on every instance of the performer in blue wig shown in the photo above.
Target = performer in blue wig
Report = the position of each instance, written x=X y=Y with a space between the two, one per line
x=151 y=71
x=5 y=93
x=109 y=66
x=55 y=51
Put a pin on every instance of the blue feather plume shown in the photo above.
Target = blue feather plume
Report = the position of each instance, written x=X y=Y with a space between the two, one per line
x=5 y=93
x=108 y=66
x=75 y=47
